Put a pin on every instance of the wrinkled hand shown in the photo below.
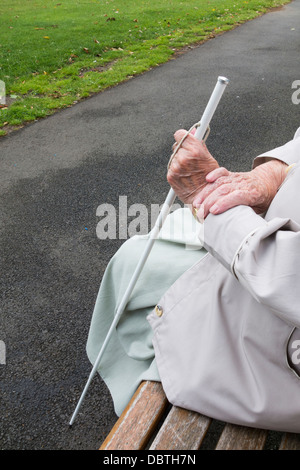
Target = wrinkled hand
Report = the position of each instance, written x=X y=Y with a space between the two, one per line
x=226 y=189
x=189 y=167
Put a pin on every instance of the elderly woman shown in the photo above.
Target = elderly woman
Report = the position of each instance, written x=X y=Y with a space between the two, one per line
x=224 y=337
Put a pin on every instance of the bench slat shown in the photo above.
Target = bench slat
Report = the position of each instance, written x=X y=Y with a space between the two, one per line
x=139 y=420
x=236 y=437
x=290 y=442
x=182 y=430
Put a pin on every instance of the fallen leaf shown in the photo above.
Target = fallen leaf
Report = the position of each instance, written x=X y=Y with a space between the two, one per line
x=46 y=37
x=86 y=50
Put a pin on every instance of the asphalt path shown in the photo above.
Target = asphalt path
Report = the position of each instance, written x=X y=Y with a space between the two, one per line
x=55 y=173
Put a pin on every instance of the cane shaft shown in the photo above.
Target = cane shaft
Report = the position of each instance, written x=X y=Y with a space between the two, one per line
x=200 y=132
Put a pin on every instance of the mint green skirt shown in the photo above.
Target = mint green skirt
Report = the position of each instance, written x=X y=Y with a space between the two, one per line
x=129 y=357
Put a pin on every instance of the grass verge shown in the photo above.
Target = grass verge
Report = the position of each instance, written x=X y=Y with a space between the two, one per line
x=55 y=54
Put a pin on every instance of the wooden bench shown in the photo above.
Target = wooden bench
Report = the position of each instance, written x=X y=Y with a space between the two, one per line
x=149 y=422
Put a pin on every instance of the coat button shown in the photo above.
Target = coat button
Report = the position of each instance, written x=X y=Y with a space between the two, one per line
x=158 y=310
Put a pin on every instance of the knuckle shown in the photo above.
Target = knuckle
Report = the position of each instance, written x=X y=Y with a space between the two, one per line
x=179 y=134
x=223 y=190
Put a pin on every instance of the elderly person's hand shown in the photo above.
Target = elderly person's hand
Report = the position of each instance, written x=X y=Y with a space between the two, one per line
x=226 y=189
x=198 y=180
x=189 y=167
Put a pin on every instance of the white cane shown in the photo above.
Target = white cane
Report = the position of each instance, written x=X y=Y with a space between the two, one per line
x=202 y=127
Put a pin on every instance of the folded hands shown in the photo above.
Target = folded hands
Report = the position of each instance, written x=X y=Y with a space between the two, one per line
x=199 y=181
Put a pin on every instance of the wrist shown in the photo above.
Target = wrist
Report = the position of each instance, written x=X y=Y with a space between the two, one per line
x=274 y=172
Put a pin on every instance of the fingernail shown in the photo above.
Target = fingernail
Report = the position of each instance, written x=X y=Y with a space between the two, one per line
x=200 y=214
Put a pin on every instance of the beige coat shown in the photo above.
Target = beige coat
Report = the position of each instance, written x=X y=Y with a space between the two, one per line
x=227 y=333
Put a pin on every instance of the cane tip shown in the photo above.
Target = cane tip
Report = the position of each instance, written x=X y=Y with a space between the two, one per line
x=71 y=422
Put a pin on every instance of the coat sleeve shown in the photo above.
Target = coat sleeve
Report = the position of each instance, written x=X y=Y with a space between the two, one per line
x=263 y=254
x=288 y=153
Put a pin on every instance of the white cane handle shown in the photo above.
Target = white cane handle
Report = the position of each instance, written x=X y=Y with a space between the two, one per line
x=202 y=127
x=211 y=107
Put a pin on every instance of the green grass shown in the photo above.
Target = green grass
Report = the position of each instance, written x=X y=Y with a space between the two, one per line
x=54 y=54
